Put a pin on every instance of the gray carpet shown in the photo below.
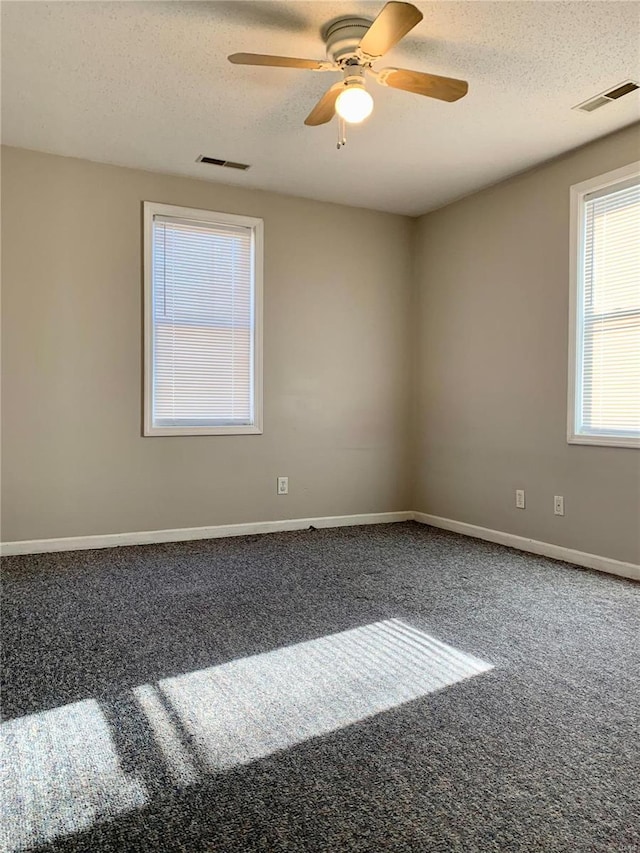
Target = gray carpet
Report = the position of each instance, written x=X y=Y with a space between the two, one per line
x=388 y=688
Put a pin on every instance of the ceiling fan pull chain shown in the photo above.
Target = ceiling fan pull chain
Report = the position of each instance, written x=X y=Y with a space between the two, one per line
x=342 y=133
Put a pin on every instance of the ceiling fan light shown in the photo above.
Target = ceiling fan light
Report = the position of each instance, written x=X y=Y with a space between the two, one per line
x=354 y=104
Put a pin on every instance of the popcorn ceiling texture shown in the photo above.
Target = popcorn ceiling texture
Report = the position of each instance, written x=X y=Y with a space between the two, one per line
x=148 y=85
x=538 y=755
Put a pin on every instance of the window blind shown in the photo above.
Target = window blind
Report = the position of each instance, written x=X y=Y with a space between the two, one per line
x=203 y=324
x=608 y=399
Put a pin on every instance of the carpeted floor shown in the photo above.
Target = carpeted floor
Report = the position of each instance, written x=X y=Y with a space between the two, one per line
x=385 y=688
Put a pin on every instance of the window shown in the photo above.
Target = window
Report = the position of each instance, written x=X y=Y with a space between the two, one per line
x=604 y=339
x=203 y=300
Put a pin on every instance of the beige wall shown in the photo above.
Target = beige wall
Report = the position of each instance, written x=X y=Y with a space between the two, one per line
x=462 y=315
x=492 y=274
x=336 y=360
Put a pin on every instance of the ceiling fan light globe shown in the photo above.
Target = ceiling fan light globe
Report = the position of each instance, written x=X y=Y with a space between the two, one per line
x=354 y=104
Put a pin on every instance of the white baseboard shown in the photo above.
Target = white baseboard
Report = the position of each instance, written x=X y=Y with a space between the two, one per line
x=533 y=546
x=183 y=534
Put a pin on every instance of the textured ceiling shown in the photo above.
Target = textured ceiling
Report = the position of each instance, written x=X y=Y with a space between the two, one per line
x=148 y=85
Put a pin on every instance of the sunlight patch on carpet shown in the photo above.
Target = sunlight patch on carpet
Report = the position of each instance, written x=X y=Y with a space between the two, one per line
x=66 y=769
x=61 y=774
x=252 y=707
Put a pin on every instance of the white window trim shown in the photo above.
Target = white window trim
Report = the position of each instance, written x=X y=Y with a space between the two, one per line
x=257 y=225
x=577 y=194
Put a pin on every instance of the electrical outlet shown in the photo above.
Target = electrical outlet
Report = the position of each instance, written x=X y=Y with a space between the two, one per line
x=558 y=505
x=283 y=485
x=520 y=498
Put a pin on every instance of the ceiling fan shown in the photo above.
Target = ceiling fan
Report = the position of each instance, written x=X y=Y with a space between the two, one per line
x=353 y=46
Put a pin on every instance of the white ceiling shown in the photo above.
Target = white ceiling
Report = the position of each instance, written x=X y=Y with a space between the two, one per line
x=148 y=85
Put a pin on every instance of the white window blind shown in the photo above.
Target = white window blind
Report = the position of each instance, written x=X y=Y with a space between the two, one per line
x=607 y=399
x=203 y=325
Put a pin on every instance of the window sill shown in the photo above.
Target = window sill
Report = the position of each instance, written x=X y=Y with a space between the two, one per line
x=604 y=440
x=230 y=430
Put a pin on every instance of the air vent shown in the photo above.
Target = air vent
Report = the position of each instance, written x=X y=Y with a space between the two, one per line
x=229 y=164
x=622 y=89
x=603 y=98
x=593 y=104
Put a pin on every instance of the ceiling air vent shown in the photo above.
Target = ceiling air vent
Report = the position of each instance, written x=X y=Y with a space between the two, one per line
x=213 y=161
x=606 y=97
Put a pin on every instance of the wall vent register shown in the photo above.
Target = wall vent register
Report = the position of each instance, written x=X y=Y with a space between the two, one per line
x=228 y=164
x=604 y=98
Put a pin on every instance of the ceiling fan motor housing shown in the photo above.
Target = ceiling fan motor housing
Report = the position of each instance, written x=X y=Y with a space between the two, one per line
x=343 y=37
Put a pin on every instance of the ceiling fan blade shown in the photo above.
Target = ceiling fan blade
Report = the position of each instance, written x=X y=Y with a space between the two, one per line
x=325 y=109
x=443 y=88
x=279 y=61
x=392 y=24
